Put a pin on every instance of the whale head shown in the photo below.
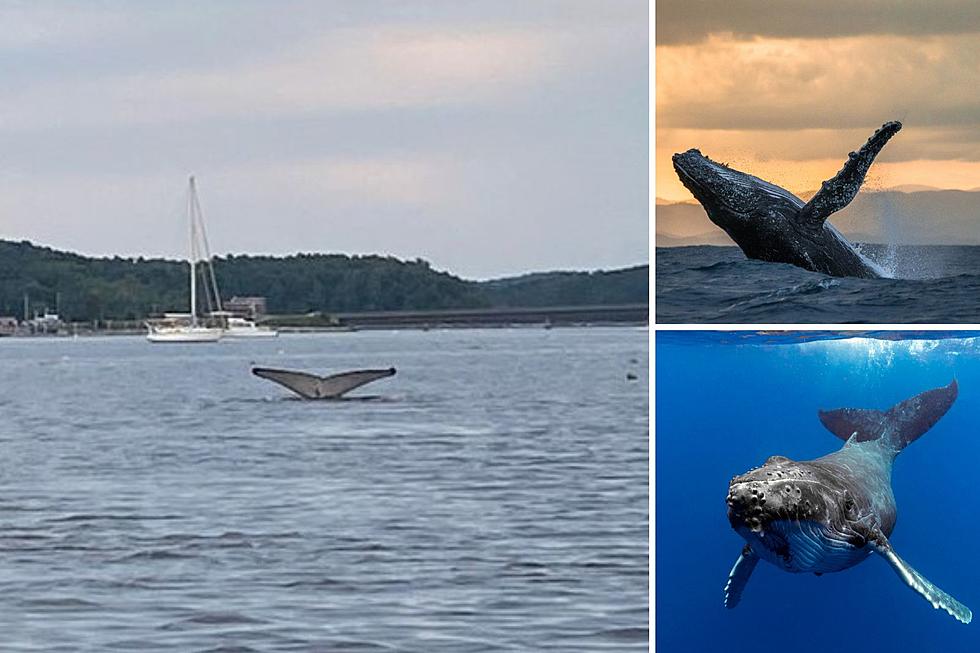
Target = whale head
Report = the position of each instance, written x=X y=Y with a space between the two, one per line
x=732 y=199
x=780 y=489
x=790 y=515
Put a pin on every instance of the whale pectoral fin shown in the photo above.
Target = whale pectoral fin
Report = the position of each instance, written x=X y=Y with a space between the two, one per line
x=836 y=193
x=915 y=580
x=739 y=576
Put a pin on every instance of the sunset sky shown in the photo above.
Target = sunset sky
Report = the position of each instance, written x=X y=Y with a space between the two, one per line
x=784 y=90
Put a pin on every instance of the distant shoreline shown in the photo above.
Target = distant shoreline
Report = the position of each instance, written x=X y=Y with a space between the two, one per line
x=314 y=330
x=503 y=318
x=305 y=289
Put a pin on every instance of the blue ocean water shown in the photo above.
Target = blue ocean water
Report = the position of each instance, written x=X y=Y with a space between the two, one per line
x=726 y=402
x=492 y=496
x=930 y=284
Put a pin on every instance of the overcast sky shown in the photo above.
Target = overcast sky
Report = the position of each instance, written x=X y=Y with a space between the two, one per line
x=489 y=137
x=786 y=89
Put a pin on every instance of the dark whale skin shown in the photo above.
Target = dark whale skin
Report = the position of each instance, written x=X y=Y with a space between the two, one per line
x=831 y=513
x=771 y=224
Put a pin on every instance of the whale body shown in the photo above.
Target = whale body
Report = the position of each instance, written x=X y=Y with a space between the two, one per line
x=829 y=514
x=769 y=223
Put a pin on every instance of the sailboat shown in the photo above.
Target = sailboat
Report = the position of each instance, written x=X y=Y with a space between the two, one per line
x=181 y=327
x=232 y=325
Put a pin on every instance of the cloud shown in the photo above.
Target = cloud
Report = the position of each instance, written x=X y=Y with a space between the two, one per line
x=785 y=90
x=329 y=190
x=914 y=143
x=464 y=132
x=404 y=181
x=805 y=84
x=693 y=21
x=790 y=109
x=30 y=26
x=347 y=70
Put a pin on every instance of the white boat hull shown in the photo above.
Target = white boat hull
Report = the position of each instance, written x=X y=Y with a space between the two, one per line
x=250 y=333
x=184 y=334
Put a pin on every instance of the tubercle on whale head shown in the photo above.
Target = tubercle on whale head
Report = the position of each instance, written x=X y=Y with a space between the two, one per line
x=729 y=197
x=700 y=175
x=779 y=489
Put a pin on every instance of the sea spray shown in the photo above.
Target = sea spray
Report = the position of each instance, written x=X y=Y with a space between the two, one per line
x=891 y=229
x=896 y=254
x=876 y=261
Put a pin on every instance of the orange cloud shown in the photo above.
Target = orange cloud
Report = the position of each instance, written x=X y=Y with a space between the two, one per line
x=790 y=109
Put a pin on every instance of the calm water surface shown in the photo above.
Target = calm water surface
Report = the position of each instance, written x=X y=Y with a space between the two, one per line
x=492 y=497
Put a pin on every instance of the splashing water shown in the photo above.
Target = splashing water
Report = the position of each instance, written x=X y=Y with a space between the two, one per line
x=898 y=258
x=882 y=267
x=890 y=227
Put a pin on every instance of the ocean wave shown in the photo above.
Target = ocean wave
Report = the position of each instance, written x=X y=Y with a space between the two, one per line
x=742 y=290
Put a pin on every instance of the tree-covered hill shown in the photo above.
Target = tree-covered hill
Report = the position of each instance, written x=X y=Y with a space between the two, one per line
x=84 y=289
x=625 y=286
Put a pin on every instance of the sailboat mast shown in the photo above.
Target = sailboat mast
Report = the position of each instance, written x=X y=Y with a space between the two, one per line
x=208 y=259
x=190 y=215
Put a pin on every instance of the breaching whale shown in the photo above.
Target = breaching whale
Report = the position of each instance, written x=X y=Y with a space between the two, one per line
x=771 y=224
x=831 y=513
x=311 y=386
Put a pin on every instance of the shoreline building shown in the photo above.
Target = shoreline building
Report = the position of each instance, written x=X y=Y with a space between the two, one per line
x=248 y=307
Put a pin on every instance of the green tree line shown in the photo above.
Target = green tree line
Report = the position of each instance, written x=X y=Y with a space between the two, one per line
x=86 y=289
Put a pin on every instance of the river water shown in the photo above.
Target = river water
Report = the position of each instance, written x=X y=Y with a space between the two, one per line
x=492 y=496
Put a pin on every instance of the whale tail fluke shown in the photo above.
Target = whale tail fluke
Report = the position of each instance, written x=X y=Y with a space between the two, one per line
x=311 y=386
x=901 y=424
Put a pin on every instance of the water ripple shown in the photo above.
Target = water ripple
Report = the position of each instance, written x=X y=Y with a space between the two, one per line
x=491 y=498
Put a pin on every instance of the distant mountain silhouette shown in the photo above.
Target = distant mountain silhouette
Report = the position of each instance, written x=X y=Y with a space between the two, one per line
x=919 y=217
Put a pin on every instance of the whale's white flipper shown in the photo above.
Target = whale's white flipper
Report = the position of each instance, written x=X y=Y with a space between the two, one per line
x=915 y=580
x=739 y=576
x=311 y=386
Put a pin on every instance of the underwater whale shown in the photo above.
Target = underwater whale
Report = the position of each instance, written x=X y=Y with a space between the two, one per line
x=831 y=513
x=311 y=386
x=771 y=224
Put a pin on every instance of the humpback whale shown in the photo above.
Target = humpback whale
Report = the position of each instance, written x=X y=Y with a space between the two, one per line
x=831 y=513
x=311 y=386
x=771 y=224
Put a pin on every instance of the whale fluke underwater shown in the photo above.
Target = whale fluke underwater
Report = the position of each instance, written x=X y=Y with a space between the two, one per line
x=311 y=386
x=771 y=224
x=831 y=513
